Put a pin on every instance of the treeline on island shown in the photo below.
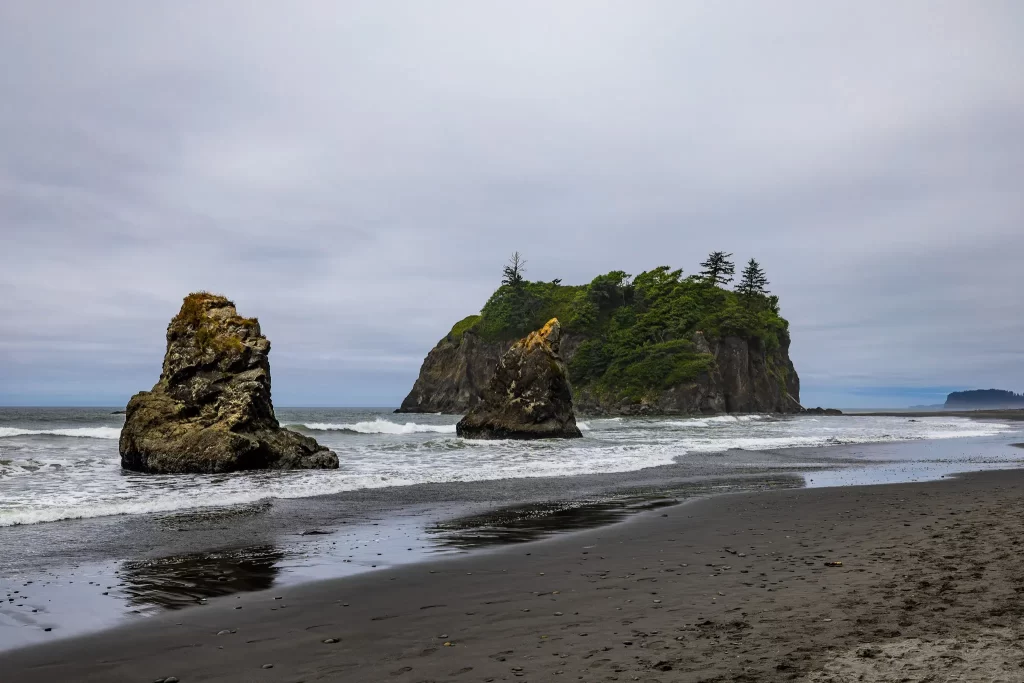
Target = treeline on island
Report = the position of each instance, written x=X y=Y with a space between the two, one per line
x=630 y=339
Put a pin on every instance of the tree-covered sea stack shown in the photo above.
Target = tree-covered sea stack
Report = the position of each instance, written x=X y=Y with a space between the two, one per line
x=656 y=343
x=211 y=409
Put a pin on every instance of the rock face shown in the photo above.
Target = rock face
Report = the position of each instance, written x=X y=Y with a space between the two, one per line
x=454 y=375
x=746 y=378
x=211 y=410
x=528 y=396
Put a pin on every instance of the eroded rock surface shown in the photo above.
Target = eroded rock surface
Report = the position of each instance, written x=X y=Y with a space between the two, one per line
x=211 y=409
x=745 y=378
x=529 y=396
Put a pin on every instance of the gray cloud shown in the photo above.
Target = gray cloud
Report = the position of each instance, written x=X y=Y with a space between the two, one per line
x=356 y=173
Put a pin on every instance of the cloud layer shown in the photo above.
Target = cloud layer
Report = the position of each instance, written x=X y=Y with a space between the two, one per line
x=355 y=174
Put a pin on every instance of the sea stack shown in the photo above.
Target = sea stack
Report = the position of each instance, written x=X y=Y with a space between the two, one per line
x=529 y=396
x=211 y=410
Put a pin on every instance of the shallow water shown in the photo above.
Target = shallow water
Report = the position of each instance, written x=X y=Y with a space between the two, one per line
x=63 y=463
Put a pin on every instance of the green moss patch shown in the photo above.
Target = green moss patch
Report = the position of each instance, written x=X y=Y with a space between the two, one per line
x=209 y=332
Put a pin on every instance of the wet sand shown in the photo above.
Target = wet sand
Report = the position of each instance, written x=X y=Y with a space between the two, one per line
x=730 y=588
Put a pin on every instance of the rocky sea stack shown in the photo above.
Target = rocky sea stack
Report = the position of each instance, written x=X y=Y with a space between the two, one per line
x=211 y=410
x=529 y=396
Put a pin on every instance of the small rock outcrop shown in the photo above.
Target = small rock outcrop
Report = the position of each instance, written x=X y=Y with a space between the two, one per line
x=823 y=411
x=211 y=410
x=529 y=396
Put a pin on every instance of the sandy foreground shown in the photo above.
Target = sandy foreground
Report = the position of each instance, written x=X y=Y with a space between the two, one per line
x=730 y=588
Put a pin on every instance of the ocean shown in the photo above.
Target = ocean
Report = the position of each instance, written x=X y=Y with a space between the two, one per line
x=63 y=463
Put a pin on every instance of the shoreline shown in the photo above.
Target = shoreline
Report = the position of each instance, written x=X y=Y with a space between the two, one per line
x=662 y=591
x=110 y=570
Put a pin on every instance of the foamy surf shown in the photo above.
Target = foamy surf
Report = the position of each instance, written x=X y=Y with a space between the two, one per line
x=78 y=432
x=381 y=426
x=48 y=479
x=715 y=420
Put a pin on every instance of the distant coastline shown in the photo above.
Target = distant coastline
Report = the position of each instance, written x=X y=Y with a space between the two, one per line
x=991 y=399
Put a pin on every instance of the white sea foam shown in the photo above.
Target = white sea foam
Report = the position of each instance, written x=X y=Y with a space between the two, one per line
x=42 y=480
x=80 y=432
x=509 y=460
x=381 y=426
x=584 y=427
x=696 y=422
x=736 y=418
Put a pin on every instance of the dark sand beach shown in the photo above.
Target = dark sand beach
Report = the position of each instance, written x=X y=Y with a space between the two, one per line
x=729 y=588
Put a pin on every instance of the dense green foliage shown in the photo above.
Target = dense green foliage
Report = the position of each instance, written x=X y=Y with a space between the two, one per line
x=638 y=331
x=460 y=327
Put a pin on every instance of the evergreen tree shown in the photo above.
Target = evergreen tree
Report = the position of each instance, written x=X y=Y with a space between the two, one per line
x=718 y=269
x=512 y=274
x=752 y=281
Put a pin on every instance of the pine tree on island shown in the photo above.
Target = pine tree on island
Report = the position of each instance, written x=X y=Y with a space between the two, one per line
x=753 y=282
x=512 y=274
x=718 y=270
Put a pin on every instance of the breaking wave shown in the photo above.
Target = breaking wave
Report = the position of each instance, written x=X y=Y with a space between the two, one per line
x=714 y=421
x=79 y=432
x=44 y=480
x=381 y=426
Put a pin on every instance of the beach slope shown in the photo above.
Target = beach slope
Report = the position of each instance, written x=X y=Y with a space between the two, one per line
x=731 y=588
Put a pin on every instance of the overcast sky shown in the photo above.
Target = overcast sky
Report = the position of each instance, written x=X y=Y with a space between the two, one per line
x=356 y=174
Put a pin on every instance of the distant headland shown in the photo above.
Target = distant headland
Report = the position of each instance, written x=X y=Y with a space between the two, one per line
x=983 y=399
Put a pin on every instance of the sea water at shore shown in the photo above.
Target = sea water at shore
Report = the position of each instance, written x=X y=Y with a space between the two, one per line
x=408 y=489
x=60 y=463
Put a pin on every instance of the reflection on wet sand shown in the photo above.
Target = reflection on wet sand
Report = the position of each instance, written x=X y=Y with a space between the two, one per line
x=88 y=597
x=182 y=581
x=522 y=523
